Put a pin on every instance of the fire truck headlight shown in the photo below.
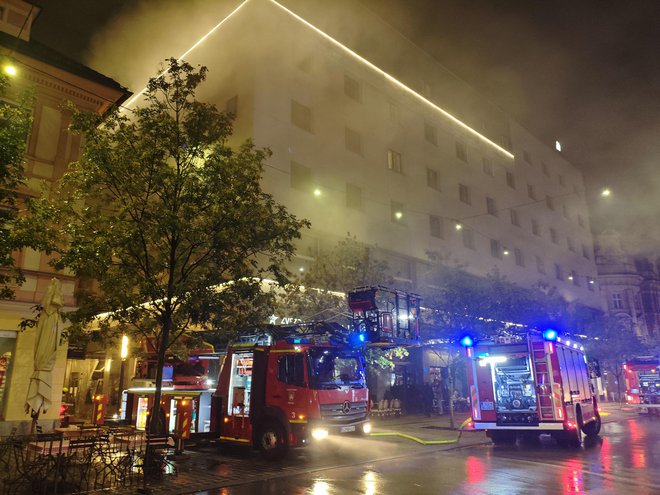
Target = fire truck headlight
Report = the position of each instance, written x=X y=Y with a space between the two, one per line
x=366 y=428
x=319 y=433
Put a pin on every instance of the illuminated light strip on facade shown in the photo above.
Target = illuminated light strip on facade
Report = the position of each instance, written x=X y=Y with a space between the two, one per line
x=394 y=80
x=347 y=50
x=185 y=54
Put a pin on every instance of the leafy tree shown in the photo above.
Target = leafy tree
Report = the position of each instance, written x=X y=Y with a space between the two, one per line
x=15 y=122
x=169 y=222
x=612 y=342
x=319 y=292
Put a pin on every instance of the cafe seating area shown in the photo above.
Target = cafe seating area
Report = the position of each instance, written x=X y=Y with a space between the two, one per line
x=82 y=458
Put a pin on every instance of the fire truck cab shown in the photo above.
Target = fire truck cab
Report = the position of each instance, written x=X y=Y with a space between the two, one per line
x=291 y=386
x=642 y=379
x=531 y=384
x=277 y=392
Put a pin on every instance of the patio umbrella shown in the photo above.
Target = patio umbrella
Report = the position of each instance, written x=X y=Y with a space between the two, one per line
x=49 y=332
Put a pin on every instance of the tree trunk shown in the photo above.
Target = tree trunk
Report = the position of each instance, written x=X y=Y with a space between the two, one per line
x=451 y=396
x=157 y=419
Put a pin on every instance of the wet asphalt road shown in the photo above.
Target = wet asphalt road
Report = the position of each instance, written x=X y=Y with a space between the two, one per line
x=625 y=459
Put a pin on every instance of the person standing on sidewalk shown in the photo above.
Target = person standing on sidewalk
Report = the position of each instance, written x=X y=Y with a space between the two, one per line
x=427 y=399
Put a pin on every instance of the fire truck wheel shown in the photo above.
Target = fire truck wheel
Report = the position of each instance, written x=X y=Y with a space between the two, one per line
x=499 y=437
x=572 y=438
x=272 y=441
x=592 y=428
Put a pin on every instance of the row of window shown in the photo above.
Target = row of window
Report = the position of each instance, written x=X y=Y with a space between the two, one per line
x=353 y=89
x=497 y=250
x=301 y=116
x=491 y=209
x=301 y=179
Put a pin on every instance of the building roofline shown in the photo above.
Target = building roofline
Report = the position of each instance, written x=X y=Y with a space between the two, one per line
x=43 y=53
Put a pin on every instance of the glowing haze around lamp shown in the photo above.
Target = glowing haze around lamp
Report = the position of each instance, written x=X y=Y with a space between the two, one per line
x=467 y=341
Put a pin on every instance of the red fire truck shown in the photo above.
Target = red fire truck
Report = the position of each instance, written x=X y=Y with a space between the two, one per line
x=290 y=386
x=531 y=384
x=642 y=379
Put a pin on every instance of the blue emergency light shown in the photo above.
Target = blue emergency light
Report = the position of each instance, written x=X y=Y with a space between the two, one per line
x=550 y=334
x=467 y=341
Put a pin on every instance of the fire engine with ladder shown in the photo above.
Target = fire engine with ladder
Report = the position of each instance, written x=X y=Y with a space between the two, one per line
x=642 y=379
x=290 y=386
x=531 y=384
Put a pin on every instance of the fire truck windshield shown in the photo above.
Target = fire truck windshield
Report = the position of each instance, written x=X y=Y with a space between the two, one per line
x=334 y=369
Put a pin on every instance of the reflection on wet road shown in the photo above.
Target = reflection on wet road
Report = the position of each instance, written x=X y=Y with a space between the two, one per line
x=624 y=460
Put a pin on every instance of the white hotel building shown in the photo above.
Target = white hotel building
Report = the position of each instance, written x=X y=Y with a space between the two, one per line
x=392 y=149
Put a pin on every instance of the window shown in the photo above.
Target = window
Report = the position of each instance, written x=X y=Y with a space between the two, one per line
x=520 y=258
x=570 y=244
x=352 y=88
x=430 y=134
x=291 y=369
x=394 y=161
x=353 y=141
x=559 y=273
x=301 y=177
x=540 y=266
x=468 y=238
x=585 y=252
x=301 y=116
x=461 y=151
x=554 y=237
x=354 y=197
x=531 y=192
x=545 y=169
x=436 y=226
x=432 y=179
x=487 y=167
x=426 y=89
x=396 y=212
x=394 y=112
x=510 y=180
x=549 y=202
x=305 y=64
x=491 y=208
x=231 y=106
x=464 y=194
x=527 y=157
x=515 y=219
x=617 y=300
x=536 y=230
x=495 y=249
x=560 y=179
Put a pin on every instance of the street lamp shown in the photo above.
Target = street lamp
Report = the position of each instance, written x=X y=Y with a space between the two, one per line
x=10 y=70
x=123 y=354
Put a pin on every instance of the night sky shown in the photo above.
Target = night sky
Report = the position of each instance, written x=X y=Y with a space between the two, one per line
x=586 y=73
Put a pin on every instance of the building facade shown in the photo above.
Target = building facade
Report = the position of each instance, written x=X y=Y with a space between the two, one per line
x=631 y=285
x=371 y=136
x=52 y=79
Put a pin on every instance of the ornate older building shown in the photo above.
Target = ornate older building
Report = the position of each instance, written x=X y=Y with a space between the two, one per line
x=53 y=79
x=631 y=285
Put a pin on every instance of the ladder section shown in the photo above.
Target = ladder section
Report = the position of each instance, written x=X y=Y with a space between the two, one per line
x=543 y=382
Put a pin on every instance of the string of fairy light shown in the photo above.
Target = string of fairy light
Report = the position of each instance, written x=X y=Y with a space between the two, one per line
x=458 y=222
